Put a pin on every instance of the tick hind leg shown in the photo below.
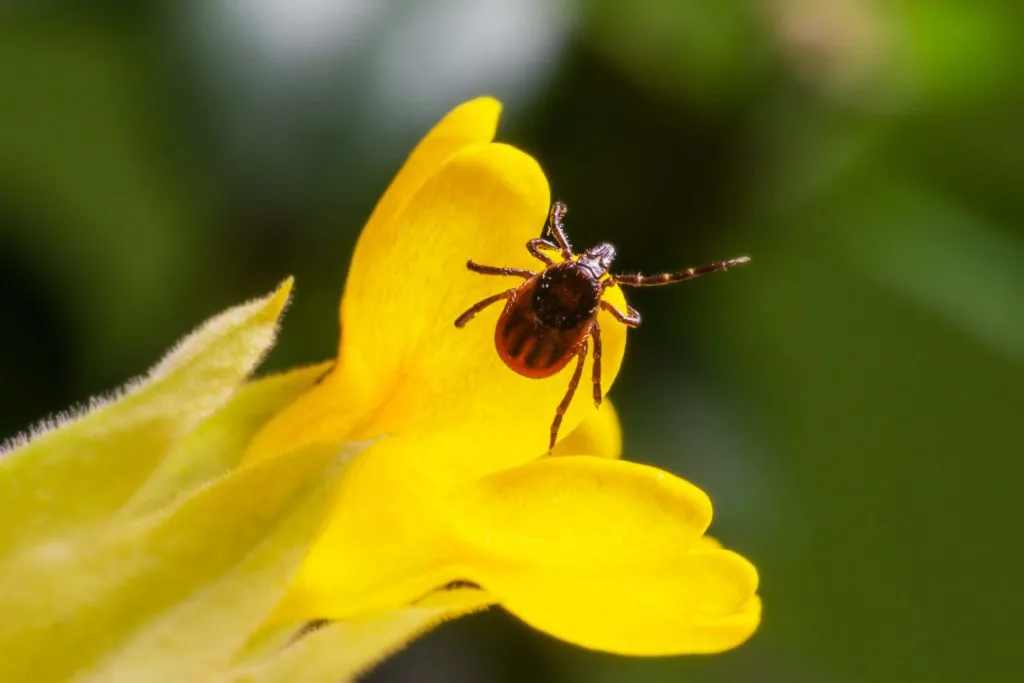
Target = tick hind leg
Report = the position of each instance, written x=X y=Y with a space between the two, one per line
x=581 y=356
x=481 y=305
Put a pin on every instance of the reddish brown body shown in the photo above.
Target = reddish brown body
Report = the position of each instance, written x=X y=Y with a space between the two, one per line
x=551 y=317
x=546 y=319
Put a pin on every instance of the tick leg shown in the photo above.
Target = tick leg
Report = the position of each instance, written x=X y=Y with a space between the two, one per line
x=595 y=334
x=534 y=247
x=555 y=216
x=684 y=274
x=491 y=270
x=631 y=319
x=481 y=305
x=564 y=405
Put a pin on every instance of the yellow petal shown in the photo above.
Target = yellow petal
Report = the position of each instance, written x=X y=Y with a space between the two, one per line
x=85 y=468
x=332 y=415
x=583 y=505
x=484 y=204
x=387 y=543
x=175 y=592
x=608 y=555
x=688 y=607
x=405 y=369
x=472 y=123
x=216 y=447
x=600 y=435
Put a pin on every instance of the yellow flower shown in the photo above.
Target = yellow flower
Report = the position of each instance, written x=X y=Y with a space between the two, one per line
x=451 y=488
x=190 y=527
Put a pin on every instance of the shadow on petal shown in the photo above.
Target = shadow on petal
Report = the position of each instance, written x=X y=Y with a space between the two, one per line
x=341 y=651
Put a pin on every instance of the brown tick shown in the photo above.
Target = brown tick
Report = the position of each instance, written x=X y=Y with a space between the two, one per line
x=552 y=316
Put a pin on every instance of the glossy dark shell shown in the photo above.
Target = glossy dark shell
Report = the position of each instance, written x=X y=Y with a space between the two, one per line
x=546 y=320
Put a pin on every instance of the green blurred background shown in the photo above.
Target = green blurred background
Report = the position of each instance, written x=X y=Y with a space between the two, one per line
x=852 y=401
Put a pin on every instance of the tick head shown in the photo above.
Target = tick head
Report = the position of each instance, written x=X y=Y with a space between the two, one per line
x=600 y=256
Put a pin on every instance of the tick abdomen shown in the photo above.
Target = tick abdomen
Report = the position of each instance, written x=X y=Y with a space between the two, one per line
x=527 y=344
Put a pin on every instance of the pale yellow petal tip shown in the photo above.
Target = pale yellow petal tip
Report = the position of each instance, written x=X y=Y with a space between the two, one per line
x=279 y=298
x=286 y=284
x=274 y=305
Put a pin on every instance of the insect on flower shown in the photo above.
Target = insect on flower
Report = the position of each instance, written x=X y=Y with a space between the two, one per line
x=552 y=316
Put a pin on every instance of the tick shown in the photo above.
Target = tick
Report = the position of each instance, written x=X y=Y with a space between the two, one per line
x=551 y=317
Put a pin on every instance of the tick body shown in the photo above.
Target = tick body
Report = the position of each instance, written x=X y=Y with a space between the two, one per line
x=551 y=318
x=546 y=319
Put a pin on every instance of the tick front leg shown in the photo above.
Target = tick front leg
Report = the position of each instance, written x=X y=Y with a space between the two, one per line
x=535 y=245
x=492 y=270
x=481 y=305
x=581 y=356
x=631 y=319
x=595 y=334
x=638 y=280
x=555 y=225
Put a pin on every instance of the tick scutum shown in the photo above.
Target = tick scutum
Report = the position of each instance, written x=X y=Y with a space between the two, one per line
x=566 y=296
